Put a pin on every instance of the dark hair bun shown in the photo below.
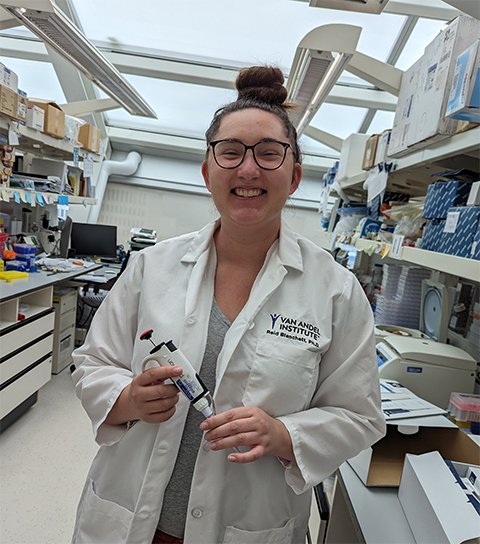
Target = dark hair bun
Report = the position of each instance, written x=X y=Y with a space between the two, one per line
x=263 y=84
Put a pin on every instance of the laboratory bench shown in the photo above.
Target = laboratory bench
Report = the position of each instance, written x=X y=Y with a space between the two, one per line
x=28 y=338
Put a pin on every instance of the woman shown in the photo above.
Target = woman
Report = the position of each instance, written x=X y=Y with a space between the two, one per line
x=281 y=333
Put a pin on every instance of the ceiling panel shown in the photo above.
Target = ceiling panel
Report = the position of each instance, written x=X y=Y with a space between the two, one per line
x=247 y=32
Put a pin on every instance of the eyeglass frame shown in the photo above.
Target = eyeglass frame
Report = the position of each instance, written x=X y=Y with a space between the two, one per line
x=286 y=147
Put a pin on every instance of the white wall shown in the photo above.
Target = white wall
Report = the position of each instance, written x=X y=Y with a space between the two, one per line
x=172 y=213
x=169 y=196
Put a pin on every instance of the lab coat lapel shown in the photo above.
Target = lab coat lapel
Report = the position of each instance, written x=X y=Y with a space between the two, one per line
x=199 y=296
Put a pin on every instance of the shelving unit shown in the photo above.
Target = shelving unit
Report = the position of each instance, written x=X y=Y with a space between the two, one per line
x=449 y=264
x=38 y=143
x=49 y=196
x=416 y=168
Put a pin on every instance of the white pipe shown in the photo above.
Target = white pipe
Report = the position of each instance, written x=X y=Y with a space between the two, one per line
x=127 y=167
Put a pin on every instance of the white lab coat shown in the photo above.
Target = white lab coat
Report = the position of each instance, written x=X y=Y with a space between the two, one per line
x=302 y=349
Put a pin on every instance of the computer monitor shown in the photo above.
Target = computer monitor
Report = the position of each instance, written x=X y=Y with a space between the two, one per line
x=89 y=240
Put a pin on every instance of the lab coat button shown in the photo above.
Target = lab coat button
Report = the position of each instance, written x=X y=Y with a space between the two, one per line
x=197 y=512
x=206 y=446
x=251 y=325
x=191 y=319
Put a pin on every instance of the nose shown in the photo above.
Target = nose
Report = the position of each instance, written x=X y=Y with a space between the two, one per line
x=249 y=168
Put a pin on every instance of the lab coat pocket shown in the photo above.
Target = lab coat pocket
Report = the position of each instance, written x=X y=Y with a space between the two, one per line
x=283 y=535
x=102 y=521
x=282 y=378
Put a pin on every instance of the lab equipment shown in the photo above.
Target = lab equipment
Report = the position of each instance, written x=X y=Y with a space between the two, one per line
x=430 y=369
x=189 y=382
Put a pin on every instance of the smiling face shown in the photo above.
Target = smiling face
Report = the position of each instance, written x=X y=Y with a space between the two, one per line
x=248 y=196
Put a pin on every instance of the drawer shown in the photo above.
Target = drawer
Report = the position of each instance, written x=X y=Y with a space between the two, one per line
x=25 y=334
x=65 y=302
x=24 y=387
x=67 y=319
x=23 y=359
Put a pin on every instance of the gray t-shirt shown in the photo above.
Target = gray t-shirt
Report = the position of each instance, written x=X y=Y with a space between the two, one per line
x=175 y=503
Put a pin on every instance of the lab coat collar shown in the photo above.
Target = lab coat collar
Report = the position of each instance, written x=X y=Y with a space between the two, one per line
x=289 y=252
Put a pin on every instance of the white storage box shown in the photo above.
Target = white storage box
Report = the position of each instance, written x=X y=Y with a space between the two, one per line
x=464 y=99
x=35 y=117
x=436 y=507
x=8 y=78
x=351 y=156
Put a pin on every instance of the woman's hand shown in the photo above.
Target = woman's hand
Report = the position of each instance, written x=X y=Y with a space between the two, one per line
x=147 y=397
x=248 y=426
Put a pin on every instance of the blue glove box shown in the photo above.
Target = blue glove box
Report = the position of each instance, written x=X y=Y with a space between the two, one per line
x=432 y=234
x=441 y=195
x=460 y=242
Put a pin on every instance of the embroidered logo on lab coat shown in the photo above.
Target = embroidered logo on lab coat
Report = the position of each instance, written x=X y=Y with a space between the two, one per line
x=293 y=329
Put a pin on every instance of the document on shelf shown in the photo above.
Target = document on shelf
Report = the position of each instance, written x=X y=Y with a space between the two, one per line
x=399 y=402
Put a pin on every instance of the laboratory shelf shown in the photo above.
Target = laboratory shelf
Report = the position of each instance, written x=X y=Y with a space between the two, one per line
x=38 y=143
x=50 y=198
x=449 y=264
x=413 y=171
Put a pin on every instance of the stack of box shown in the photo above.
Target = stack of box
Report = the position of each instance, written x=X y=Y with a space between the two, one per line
x=351 y=156
x=26 y=254
x=444 y=197
x=13 y=101
x=425 y=89
x=401 y=296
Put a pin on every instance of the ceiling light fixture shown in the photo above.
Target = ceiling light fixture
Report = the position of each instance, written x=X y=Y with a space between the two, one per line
x=319 y=60
x=50 y=24
x=364 y=6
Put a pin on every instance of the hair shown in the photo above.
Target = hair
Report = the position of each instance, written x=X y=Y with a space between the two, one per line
x=260 y=87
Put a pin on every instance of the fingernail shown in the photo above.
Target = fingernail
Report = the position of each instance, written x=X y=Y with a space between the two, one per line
x=204 y=425
x=177 y=370
x=232 y=457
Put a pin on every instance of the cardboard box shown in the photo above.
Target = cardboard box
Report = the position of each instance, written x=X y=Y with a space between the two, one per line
x=8 y=78
x=89 y=137
x=424 y=92
x=432 y=234
x=8 y=102
x=405 y=111
x=381 y=465
x=382 y=146
x=441 y=195
x=351 y=156
x=436 y=507
x=370 y=151
x=54 y=121
x=35 y=117
x=459 y=231
x=22 y=105
x=464 y=98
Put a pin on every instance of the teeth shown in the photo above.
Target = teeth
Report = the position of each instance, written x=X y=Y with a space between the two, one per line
x=248 y=192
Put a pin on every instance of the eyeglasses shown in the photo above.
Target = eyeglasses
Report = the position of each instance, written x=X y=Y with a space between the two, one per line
x=268 y=154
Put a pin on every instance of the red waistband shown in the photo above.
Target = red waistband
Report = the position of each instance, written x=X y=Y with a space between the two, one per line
x=162 y=538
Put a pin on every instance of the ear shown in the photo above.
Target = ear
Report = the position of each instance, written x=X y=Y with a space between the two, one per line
x=205 y=175
x=297 y=176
